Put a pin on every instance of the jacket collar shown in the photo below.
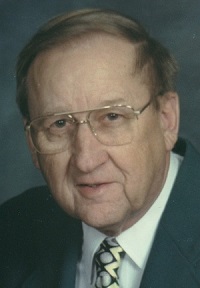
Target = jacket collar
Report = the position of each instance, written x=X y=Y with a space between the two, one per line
x=176 y=249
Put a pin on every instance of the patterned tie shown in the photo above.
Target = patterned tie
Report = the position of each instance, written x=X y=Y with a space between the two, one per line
x=107 y=260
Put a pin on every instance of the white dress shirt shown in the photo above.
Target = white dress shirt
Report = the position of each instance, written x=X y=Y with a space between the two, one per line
x=136 y=241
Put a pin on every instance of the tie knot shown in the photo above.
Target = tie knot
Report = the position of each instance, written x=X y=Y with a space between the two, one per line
x=107 y=260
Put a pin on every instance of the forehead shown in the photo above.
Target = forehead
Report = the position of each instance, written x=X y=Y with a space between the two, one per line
x=85 y=72
x=88 y=50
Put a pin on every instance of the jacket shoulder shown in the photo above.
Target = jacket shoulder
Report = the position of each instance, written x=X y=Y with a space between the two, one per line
x=30 y=224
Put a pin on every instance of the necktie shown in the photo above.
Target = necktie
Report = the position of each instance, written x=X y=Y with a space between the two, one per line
x=107 y=260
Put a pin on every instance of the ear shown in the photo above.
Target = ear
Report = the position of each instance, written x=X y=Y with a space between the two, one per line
x=169 y=115
x=34 y=153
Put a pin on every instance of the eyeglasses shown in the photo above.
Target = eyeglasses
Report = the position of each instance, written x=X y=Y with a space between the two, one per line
x=111 y=125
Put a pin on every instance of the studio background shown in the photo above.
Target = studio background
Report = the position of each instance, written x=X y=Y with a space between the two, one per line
x=176 y=23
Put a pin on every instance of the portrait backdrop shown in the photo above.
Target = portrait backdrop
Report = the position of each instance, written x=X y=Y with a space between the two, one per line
x=176 y=23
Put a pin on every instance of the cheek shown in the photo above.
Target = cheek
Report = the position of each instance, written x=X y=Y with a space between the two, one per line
x=144 y=166
x=132 y=164
x=54 y=168
x=138 y=187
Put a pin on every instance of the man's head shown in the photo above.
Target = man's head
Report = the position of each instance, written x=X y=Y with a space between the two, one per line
x=83 y=62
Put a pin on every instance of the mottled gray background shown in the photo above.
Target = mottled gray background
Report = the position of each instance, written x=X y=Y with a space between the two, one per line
x=176 y=23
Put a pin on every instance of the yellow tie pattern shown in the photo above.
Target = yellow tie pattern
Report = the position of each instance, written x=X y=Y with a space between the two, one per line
x=107 y=260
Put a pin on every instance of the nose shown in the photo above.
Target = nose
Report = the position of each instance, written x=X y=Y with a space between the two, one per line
x=88 y=153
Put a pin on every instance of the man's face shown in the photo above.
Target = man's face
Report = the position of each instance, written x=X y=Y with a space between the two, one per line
x=107 y=187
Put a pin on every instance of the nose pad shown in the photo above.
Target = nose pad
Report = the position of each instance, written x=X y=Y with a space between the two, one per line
x=83 y=122
x=92 y=130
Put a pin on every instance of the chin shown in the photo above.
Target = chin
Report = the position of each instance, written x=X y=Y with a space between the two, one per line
x=106 y=227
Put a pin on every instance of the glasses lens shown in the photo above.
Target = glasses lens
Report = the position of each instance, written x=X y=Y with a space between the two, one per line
x=52 y=134
x=113 y=126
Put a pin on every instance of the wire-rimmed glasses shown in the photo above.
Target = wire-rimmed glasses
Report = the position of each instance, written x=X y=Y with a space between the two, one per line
x=111 y=125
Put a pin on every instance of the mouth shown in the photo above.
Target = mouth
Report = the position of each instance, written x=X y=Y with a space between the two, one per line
x=90 y=190
x=89 y=185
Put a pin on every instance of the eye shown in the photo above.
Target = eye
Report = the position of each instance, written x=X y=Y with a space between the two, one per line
x=113 y=116
x=66 y=121
x=61 y=123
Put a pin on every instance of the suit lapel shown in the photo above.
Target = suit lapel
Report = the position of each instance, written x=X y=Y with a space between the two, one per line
x=174 y=260
x=167 y=266
x=71 y=257
x=60 y=254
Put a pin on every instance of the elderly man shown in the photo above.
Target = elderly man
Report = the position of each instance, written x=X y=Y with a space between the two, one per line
x=101 y=116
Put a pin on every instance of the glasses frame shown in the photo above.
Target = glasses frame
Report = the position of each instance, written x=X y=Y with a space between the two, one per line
x=138 y=112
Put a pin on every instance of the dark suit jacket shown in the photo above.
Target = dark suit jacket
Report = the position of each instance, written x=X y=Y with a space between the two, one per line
x=40 y=245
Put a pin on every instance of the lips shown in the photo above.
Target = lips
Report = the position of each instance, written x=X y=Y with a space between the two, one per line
x=90 y=190
x=89 y=185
